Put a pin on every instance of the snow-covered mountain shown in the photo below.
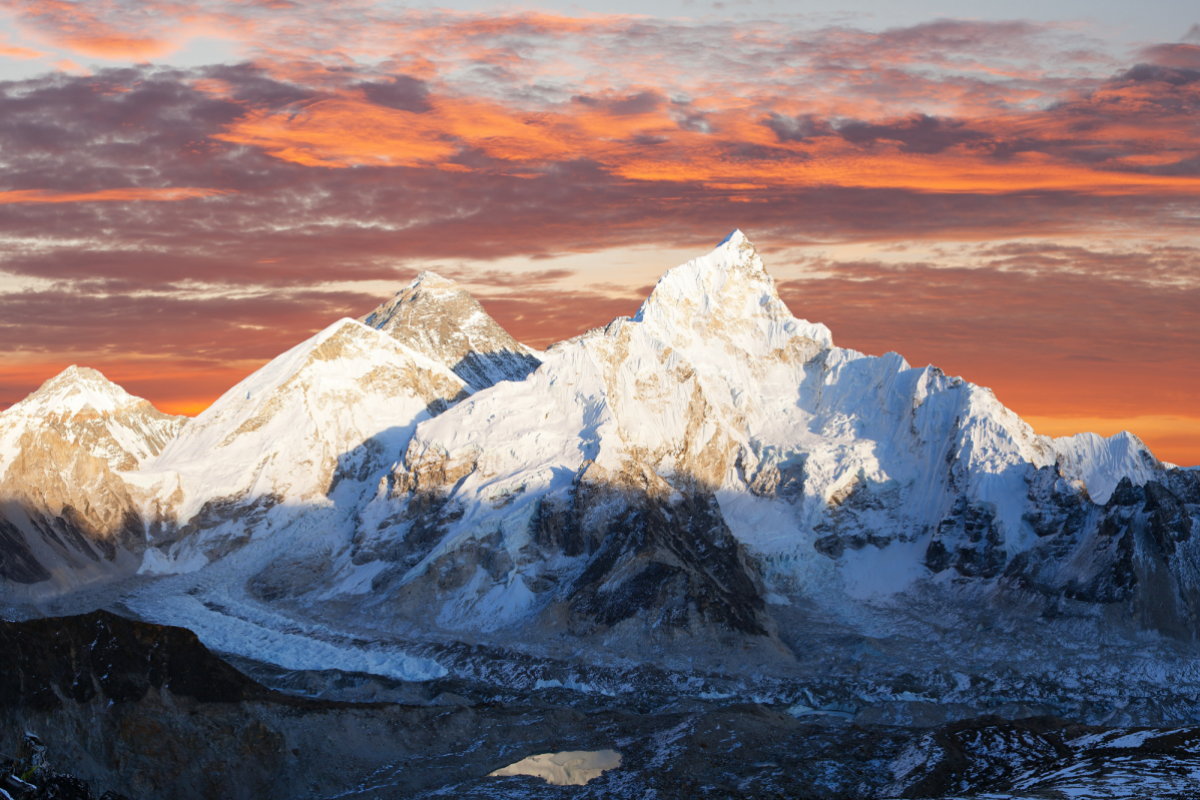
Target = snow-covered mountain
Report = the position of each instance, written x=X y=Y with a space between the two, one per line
x=712 y=476
x=88 y=411
x=65 y=512
x=340 y=405
x=684 y=468
x=437 y=317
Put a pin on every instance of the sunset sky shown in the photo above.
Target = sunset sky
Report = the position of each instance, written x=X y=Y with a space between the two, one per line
x=188 y=189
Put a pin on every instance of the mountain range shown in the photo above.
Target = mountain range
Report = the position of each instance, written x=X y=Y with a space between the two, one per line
x=708 y=499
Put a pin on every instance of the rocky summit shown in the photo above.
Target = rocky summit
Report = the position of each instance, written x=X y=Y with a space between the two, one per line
x=703 y=536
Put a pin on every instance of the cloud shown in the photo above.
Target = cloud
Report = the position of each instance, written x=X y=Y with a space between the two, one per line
x=373 y=140
x=400 y=92
x=106 y=195
x=210 y=328
x=919 y=134
x=798 y=128
x=18 y=51
x=1181 y=56
x=1164 y=74
x=96 y=28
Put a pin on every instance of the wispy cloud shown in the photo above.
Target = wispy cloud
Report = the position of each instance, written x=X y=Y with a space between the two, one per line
x=127 y=194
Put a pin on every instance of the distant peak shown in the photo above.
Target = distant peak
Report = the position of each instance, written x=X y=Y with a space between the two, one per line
x=431 y=277
x=735 y=238
x=431 y=280
x=76 y=375
x=74 y=389
x=437 y=317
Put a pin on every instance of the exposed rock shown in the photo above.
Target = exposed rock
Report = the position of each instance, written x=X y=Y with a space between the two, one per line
x=437 y=317
x=140 y=711
x=1138 y=549
x=84 y=410
x=47 y=663
x=65 y=504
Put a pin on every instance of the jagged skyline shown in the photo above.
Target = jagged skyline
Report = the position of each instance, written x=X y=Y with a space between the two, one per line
x=191 y=188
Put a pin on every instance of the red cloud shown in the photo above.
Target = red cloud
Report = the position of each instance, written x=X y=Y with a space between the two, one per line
x=377 y=141
x=107 y=195
x=86 y=29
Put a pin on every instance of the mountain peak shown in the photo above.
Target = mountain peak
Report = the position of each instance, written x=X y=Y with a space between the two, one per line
x=734 y=239
x=740 y=251
x=91 y=412
x=727 y=292
x=437 y=317
x=430 y=278
x=75 y=388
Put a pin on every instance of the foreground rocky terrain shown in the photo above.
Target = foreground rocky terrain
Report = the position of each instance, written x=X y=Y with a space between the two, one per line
x=704 y=515
x=147 y=711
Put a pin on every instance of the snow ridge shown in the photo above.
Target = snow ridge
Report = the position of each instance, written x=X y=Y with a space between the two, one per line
x=349 y=393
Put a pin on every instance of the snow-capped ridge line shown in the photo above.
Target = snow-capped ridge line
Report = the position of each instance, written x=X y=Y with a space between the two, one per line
x=682 y=475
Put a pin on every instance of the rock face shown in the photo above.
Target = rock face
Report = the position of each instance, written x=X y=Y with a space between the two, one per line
x=437 y=317
x=66 y=512
x=1138 y=551
x=48 y=664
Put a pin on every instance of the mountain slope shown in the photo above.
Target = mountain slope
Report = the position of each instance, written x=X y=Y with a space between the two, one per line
x=65 y=509
x=338 y=406
x=437 y=317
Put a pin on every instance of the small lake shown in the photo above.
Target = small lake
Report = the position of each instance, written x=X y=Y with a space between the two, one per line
x=572 y=768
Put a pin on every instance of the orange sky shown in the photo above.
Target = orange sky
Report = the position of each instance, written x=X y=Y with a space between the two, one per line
x=1014 y=202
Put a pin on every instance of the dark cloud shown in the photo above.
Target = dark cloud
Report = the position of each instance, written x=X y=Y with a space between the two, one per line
x=696 y=121
x=622 y=106
x=1157 y=72
x=250 y=85
x=959 y=36
x=1183 y=56
x=918 y=134
x=798 y=128
x=641 y=103
x=118 y=128
x=402 y=92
